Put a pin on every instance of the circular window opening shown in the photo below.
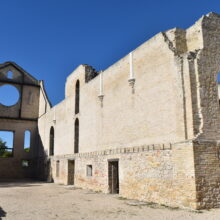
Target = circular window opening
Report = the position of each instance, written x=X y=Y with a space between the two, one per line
x=9 y=95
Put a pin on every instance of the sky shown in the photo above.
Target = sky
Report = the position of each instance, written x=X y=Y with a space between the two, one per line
x=50 y=38
x=8 y=137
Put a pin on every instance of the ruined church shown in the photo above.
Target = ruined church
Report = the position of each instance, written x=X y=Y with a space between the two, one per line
x=147 y=128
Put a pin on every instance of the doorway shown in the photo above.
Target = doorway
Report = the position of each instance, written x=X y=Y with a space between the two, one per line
x=113 y=176
x=71 y=172
x=49 y=172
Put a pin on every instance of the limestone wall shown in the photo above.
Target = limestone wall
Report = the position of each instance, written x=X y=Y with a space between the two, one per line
x=153 y=173
x=153 y=114
x=207 y=173
x=11 y=167
x=203 y=68
x=174 y=100
x=20 y=117
x=208 y=67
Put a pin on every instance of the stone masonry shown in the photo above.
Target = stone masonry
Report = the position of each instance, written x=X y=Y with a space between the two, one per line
x=148 y=127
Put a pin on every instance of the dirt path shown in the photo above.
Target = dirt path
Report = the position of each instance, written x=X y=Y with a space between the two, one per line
x=35 y=200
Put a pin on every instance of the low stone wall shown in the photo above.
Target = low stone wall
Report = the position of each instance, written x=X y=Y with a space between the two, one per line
x=153 y=173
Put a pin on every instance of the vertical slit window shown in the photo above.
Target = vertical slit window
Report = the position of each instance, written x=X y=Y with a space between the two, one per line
x=57 y=168
x=27 y=140
x=76 y=138
x=77 y=94
x=51 y=150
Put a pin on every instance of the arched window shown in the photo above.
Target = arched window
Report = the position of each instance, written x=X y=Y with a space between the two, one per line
x=51 y=151
x=77 y=97
x=76 y=138
x=27 y=140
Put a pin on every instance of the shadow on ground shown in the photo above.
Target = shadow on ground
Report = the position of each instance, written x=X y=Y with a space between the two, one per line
x=19 y=183
x=2 y=213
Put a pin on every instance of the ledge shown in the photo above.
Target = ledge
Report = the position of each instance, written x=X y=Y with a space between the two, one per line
x=139 y=149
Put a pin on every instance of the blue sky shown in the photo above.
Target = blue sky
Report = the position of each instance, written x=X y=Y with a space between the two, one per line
x=12 y=96
x=8 y=137
x=50 y=38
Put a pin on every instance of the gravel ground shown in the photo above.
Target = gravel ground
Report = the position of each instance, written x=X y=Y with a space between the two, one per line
x=37 y=200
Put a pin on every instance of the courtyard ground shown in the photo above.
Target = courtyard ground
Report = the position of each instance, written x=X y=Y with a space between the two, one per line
x=37 y=200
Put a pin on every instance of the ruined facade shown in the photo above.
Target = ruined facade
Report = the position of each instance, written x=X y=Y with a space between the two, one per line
x=148 y=127
x=19 y=118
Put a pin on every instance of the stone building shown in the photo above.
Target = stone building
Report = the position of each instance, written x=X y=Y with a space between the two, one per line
x=148 y=127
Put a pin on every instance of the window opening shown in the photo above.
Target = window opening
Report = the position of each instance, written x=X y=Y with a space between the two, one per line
x=27 y=140
x=6 y=143
x=89 y=170
x=76 y=140
x=25 y=163
x=77 y=93
x=9 y=95
x=57 y=168
x=51 y=150
x=9 y=74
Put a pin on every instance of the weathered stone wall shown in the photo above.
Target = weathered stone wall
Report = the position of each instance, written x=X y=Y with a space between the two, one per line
x=153 y=173
x=28 y=104
x=19 y=118
x=174 y=100
x=207 y=173
x=44 y=103
x=153 y=114
x=203 y=67
x=11 y=167
x=208 y=68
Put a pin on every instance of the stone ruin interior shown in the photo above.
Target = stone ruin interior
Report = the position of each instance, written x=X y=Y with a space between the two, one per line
x=147 y=128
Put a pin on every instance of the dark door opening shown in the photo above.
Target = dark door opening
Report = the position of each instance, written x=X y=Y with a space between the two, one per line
x=71 y=172
x=113 y=177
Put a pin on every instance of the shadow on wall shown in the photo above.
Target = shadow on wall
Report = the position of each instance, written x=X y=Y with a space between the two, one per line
x=43 y=169
x=16 y=183
x=2 y=213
